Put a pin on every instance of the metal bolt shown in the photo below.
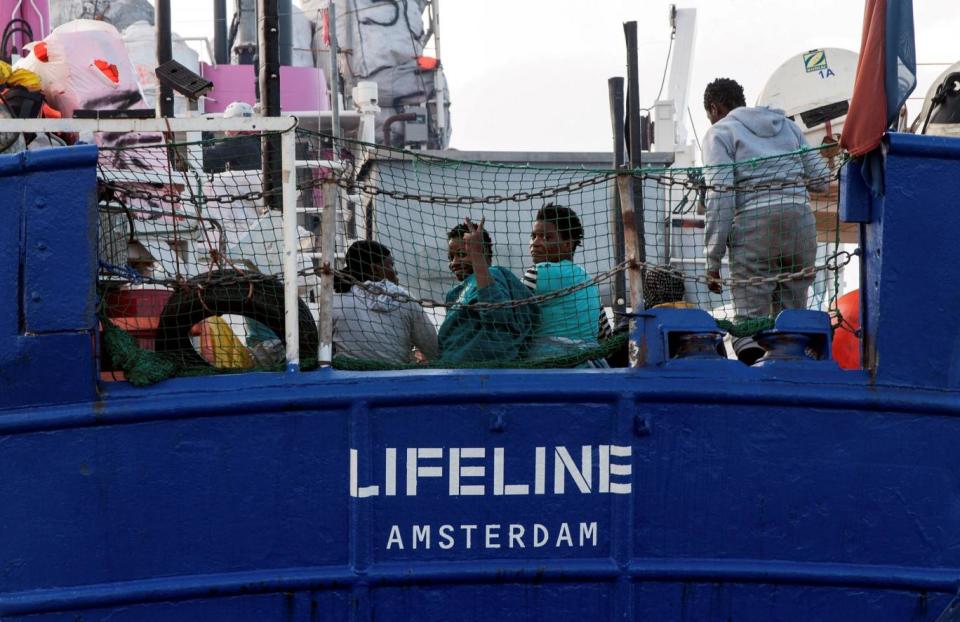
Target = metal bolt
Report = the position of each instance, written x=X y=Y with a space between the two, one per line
x=42 y=246
x=35 y=296
x=40 y=204
x=497 y=423
x=641 y=426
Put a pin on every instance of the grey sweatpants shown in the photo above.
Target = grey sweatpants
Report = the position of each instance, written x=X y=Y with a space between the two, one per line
x=765 y=242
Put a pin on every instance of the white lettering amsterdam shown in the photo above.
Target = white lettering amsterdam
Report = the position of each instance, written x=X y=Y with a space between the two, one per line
x=490 y=536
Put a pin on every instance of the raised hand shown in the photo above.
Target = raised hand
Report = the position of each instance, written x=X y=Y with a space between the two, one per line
x=473 y=241
x=476 y=251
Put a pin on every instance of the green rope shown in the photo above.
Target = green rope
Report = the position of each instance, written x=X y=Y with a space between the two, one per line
x=140 y=367
x=605 y=349
x=746 y=327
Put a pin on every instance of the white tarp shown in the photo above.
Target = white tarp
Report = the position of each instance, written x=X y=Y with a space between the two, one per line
x=301 y=37
x=84 y=65
x=120 y=13
x=140 y=40
x=385 y=39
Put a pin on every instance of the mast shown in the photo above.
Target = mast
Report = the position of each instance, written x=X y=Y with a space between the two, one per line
x=635 y=136
x=164 y=54
x=334 y=76
x=615 y=91
x=221 y=55
x=440 y=84
x=269 y=57
x=285 y=26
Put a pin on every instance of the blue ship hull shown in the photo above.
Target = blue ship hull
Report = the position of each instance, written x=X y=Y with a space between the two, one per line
x=683 y=490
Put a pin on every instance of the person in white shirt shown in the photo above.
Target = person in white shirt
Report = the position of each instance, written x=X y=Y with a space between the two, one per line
x=371 y=320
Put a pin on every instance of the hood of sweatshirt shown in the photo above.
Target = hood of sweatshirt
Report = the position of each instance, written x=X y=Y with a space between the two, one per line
x=761 y=121
x=382 y=302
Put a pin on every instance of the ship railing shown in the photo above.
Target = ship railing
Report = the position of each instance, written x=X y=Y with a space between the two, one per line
x=193 y=127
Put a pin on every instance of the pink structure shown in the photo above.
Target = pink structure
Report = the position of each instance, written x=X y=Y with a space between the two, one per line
x=34 y=12
x=302 y=89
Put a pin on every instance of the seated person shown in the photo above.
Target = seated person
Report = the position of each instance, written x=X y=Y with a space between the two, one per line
x=376 y=325
x=663 y=288
x=472 y=335
x=575 y=321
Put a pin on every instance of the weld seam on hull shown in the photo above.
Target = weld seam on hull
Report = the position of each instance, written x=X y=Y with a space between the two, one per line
x=198 y=587
x=277 y=398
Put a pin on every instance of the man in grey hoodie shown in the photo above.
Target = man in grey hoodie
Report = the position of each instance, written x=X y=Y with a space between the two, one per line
x=757 y=204
x=371 y=319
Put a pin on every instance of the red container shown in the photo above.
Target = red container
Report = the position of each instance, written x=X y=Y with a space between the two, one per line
x=137 y=311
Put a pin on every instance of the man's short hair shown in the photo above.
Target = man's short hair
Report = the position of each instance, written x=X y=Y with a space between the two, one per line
x=460 y=230
x=565 y=220
x=364 y=258
x=725 y=92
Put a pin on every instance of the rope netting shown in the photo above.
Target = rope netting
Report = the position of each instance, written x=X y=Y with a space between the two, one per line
x=450 y=263
x=191 y=248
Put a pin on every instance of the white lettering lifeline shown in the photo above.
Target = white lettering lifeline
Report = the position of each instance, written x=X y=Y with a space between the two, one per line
x=481 y=471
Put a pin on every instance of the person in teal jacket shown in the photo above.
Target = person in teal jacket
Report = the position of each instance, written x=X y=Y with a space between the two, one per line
x=473 y=335
x=574 y=322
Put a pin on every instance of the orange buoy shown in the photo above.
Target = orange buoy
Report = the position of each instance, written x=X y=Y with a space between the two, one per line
x=846 y=339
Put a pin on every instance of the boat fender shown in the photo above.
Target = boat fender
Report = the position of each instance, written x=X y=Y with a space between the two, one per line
x=228 y=292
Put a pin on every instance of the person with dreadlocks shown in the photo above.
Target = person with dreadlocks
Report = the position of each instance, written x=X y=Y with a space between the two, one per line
x=475 y=335
x=371 y=319
x=575 y=321
x=757 y=174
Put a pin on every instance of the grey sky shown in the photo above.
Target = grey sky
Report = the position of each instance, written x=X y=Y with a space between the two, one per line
x=532 y=74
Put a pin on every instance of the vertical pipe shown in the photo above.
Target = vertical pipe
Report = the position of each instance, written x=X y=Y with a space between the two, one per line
x=331 y=203
x=245 y=45
x=221 y=55
x=334 y=74
x=268 y=44
x=164 y=53
x=636 y=140
x=625 y=186
x=440 y=79
x=328 y=232
x=615 y=91
x=270 y=97
x=291 y=247
x=285 y=25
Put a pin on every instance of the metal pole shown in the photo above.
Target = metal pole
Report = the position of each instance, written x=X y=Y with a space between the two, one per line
x=625 y=184
x=268 y=42
x=636 y=140
x=331 y=204
x=164 y=53
x=285 y=23
x=334 y=74
x=221 y=55
x=270 y=97
x=439 y=77
x=328 y=231
x=615 y=91
x=291 y=247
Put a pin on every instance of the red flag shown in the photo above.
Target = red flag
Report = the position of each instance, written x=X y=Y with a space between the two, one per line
x=886 y=74
x=867 y=119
